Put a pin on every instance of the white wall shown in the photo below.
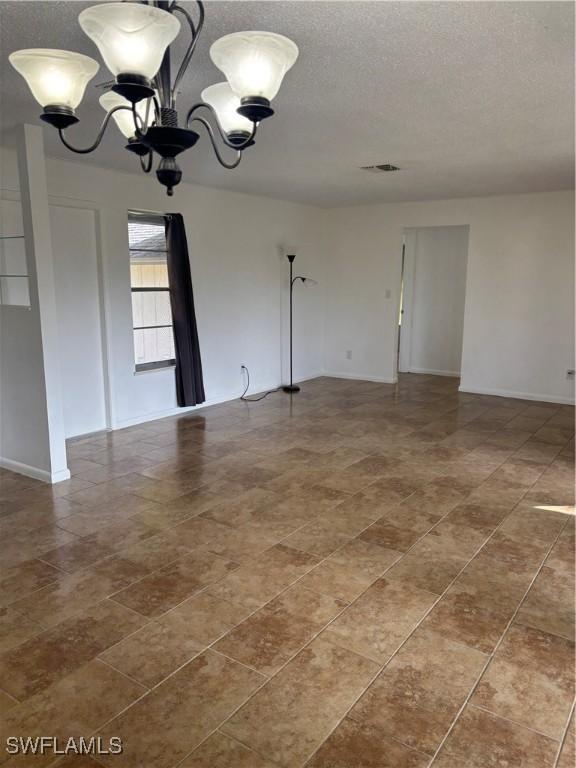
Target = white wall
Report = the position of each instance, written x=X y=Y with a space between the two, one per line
x=31 y=423
x=23 y=397
x=79 y=322
x=519 y=317
x=237 y=247
x=433 y=300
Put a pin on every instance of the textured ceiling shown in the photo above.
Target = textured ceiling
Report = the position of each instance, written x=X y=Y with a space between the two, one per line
x=468 y=98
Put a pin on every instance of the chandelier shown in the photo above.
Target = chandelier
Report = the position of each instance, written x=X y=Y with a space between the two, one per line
x=134 y=41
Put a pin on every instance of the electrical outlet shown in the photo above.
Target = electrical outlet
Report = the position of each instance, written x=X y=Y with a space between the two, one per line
x=348 y=354
x=242 y=369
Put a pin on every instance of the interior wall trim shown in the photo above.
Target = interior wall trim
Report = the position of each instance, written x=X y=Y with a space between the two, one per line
x=433 y=372
x=517 y=395
x=35 y=472
x=121 y=424
x=360 y=377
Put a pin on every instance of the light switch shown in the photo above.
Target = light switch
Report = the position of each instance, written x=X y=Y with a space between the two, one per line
x=388 y=293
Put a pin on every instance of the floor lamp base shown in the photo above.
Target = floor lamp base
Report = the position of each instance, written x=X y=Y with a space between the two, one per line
x=291 y=388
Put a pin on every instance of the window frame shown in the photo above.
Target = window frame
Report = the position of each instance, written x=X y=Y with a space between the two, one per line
x=155 y=365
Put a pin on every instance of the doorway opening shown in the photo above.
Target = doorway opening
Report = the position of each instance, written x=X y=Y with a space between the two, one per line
x=432 y=300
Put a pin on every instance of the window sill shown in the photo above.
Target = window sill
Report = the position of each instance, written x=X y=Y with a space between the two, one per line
x=155 y=369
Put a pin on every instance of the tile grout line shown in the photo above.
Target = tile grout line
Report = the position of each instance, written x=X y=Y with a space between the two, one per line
x=118 y=553
x=202 y=590
x=303 y=765
x=345 y=608
x=205 y=547
x=426 y=615
x=565 y=734
x=88 y=508
x=209 y=647
x=10 y=696
x=496 y=647
x=206 y=648
x=126 y=675
x=297 y=580
x=191 y=551
x=514 y=722
x=238 y=741
x=56 y=567
x=240 y=663
x=203 y=485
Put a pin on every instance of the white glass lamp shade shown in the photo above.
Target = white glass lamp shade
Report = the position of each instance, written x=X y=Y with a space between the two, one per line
x=225 y=103
x=124 y=119
x=56 y=78
x=254 y=62
x=131 y=37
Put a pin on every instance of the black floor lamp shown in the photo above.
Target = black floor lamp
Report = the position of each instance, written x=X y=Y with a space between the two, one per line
x=292 y=387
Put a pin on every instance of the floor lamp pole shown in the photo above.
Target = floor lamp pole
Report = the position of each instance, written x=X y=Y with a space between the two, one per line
x=292 y=387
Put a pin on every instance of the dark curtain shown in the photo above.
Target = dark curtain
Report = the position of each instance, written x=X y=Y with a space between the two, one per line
x=189 y=381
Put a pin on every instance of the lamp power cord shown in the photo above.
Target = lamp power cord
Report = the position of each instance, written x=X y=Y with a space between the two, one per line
x=254 y=399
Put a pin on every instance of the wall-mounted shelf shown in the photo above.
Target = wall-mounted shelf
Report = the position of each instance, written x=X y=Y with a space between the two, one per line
x=14 y=286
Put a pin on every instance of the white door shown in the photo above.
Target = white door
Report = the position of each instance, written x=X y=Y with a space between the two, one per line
x=79 y=319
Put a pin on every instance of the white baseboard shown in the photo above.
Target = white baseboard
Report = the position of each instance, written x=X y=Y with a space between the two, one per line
x=432 y=372
x=218 y=400
x=58 y=477
x=35 y=472
x=359 y=377
x=517 y=395
x=165 y=414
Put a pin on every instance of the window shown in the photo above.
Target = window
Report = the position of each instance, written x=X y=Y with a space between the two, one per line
x=151 y=312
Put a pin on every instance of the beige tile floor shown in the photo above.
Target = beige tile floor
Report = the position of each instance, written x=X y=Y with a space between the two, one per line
x=362 y=576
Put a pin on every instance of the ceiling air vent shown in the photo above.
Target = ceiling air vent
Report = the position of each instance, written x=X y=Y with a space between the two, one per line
x=384 y=168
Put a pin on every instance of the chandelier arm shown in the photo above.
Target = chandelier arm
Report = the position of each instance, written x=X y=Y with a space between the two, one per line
x=141 y=126
x=138 y=122
x=99 y=136
x=219 y=157
x=146 y=165
x=223 y=136
x=195 y=30
x=156 y=107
